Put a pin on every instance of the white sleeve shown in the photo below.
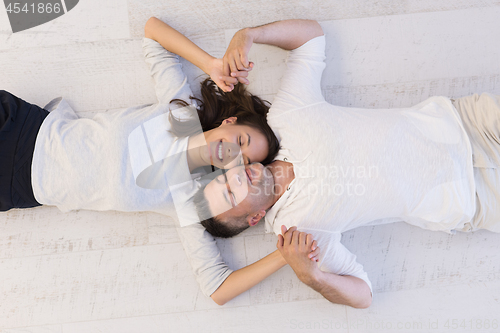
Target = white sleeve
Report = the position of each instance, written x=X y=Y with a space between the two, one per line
x=166 y=70
x=335 y=257
x=204 y=256
x=301 y=83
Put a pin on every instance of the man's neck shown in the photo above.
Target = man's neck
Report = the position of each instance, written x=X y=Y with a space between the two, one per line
x=283 y=175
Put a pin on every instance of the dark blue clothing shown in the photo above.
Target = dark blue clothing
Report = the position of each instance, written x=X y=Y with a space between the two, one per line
x=19 y=125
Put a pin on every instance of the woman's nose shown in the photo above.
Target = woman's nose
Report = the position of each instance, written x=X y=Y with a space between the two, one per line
x=232 y=150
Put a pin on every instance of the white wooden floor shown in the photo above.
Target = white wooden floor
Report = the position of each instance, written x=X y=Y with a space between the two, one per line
x=114 y=272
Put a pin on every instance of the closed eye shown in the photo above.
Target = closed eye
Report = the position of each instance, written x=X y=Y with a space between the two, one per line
x=234 y=196
x=230 y=194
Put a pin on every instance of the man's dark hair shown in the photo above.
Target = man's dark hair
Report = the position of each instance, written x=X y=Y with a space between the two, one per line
x=215 y=226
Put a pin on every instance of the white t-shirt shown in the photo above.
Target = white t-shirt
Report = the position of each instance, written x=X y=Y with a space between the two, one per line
x=356 y=167
x=82 y=163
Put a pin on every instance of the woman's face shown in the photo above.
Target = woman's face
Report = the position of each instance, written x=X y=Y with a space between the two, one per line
x=231 y=144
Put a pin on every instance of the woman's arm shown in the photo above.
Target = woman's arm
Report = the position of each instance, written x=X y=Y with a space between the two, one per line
x=245 y=278
x=177 y=43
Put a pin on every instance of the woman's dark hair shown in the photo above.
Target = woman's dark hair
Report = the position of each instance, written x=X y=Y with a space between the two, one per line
x=216 y=105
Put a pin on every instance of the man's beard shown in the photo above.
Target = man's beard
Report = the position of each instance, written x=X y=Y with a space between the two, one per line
x=263 y=187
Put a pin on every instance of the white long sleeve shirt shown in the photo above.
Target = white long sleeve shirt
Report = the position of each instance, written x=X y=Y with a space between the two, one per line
x=82 y=163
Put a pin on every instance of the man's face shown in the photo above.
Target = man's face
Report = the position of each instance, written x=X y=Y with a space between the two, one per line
x=249 y=189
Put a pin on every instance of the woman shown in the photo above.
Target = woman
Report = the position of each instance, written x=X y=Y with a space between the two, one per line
x=59 y=159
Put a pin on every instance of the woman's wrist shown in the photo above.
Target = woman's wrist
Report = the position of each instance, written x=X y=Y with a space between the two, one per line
x=250 y=33
x=281 y=261
x=210 y=64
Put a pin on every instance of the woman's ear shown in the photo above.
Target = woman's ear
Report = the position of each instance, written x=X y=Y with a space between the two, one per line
x=230 y=120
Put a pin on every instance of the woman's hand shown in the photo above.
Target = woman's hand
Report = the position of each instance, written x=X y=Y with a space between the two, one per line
x=223 y=81
x=235 y=60
x=314 y=255
x=177 y=43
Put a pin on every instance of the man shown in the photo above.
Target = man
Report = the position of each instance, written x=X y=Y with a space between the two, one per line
x=340 y=168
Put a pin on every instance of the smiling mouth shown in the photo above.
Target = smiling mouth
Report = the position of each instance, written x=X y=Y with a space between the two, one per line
x=220 y=155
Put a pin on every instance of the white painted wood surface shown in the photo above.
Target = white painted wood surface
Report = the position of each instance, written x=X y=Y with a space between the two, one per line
x=116 y=272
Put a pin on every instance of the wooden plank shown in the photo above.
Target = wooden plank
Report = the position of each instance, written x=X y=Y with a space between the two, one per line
x=471 y=307
x=403 y=257
x=195 y=17
x=397 y=61
x=35 y=329
x=92 y=285
x=90 y=20
x=285 y=317
x=46 y=230
x=407 y=94
x=91 y=76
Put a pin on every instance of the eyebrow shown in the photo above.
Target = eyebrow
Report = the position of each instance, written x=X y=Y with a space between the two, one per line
x=248 y=144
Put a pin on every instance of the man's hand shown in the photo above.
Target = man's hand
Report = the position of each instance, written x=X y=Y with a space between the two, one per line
x=288 y=35
x=235 y=60
x=295 y=247
x=226 y=83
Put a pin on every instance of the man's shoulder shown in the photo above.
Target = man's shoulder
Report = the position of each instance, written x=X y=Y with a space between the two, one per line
x=314 y=45
x=288 y=111
x=284 y=212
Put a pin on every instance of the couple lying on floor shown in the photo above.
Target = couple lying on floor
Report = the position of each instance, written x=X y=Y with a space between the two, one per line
x=328 y=169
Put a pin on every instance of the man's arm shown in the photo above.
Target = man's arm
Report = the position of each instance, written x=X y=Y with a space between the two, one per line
x=288 y=35
x=341 y=289
x=177 y=43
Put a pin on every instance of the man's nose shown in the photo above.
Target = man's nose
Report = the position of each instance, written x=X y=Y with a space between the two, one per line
x=256 y=166
x=237 y=176
x=235 y=179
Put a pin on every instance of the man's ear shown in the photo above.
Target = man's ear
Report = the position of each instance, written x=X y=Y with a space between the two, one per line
x=255 y=218
x=230 y=120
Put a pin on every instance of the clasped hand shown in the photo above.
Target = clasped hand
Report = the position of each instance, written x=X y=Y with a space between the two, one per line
x=234 y=66
x=300 y=252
